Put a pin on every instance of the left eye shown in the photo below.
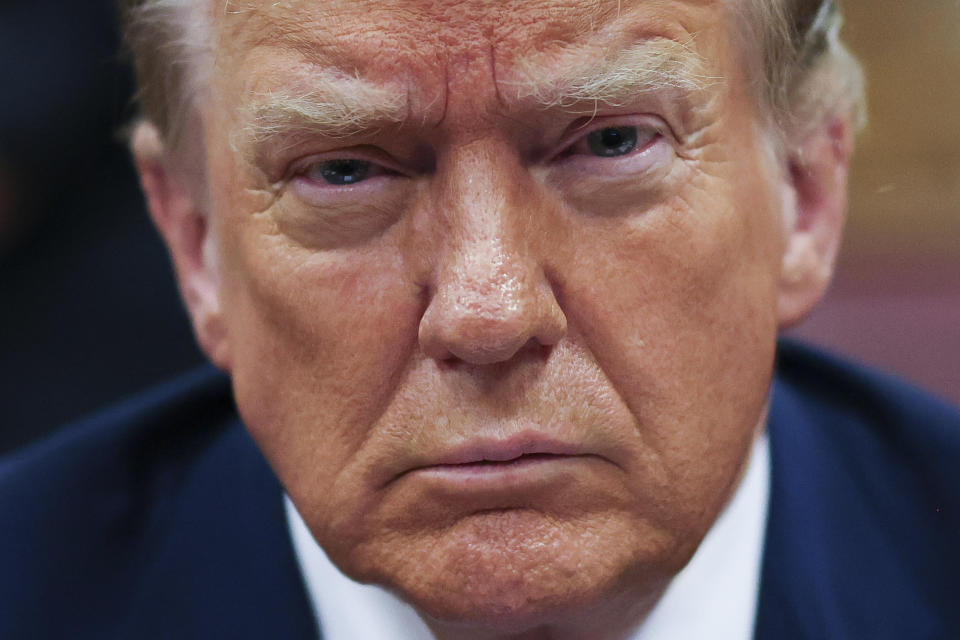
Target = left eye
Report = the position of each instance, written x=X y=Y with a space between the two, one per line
x=341 y=172
x=613 y=142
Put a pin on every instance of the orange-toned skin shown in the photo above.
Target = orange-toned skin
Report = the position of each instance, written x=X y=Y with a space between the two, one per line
x=488 y=287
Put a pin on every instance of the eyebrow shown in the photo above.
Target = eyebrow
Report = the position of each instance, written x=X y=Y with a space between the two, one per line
x=335 y=106
x=340 y=106
x=649 y=66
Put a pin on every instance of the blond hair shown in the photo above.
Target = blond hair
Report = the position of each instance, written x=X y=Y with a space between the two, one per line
x=805 y=72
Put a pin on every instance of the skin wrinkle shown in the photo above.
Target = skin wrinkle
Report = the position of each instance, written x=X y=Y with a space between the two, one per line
x=386 y=394
x=493 y=75
x=356 y=358
x=763 y=26
x=343 y=107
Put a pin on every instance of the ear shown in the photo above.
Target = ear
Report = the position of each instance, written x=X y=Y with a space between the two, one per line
x=817 y=203
x=177 y=209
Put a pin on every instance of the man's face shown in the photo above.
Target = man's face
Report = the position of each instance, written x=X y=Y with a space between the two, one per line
x=498 y=283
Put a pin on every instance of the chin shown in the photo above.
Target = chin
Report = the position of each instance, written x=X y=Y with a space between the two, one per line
x=478 y=600
x=515 y=570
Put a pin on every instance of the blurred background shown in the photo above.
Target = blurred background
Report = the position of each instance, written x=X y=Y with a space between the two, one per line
x=895 y=301
x=89 y=311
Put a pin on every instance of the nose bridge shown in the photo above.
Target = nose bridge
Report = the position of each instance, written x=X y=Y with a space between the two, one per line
x=490 y=295
x=487 y=247
x=480 y=184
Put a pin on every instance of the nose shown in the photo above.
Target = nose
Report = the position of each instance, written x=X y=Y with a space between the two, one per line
x=490 y=296
x=488 y=305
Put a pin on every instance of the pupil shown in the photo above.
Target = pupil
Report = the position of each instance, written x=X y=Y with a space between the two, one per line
x=341 y=172
x=613 y=141
x=611 y=137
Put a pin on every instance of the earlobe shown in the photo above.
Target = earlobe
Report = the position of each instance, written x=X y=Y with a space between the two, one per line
x=816 y=200
x=179 y=217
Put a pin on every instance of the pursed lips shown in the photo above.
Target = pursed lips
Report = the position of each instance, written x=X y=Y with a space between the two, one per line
x=492 y=456
x=505 y=450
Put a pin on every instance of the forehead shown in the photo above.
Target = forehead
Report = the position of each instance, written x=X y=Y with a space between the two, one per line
x=460 y=20
x=380 y=36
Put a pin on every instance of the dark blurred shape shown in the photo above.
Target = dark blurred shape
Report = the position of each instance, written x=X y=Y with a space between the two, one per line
x=88 y=308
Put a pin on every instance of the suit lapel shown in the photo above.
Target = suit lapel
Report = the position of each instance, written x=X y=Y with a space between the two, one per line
x=224 y=566
x=832 y=567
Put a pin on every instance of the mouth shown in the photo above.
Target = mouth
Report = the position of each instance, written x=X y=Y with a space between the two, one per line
x=489 y=463
x=498 y=466
x=526 y=447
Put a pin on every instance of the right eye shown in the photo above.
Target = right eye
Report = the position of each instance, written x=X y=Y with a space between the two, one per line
x=341 y=172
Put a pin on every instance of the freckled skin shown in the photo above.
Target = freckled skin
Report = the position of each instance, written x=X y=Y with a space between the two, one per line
x=635 y=317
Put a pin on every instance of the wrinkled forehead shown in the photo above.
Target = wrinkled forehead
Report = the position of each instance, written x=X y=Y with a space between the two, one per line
x=455 y=24
x=382 y=36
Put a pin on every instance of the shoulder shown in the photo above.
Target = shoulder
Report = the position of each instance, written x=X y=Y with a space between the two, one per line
x=864 y=406
x=864 y=507
x=157 y=519
x=123 y=446
x=80 y=509
x=898 y=444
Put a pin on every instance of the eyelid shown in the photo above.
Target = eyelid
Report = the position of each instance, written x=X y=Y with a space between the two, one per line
x=577 y=132
x=379 y=159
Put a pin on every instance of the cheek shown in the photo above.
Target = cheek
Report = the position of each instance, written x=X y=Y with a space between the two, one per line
x=680 y=315
x=319 y=342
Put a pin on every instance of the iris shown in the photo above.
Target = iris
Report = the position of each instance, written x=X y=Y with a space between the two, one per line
x=343 y=171
x=611 y=142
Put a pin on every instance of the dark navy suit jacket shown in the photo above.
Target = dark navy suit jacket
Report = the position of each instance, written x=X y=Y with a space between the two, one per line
x=161 y=519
